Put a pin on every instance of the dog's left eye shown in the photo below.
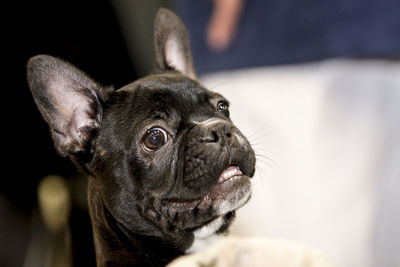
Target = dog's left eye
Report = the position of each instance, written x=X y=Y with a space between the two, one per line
x=224 y=108
x=154 y=139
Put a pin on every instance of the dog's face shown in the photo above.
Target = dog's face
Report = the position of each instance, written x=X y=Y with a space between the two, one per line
x=163 y=153
x=173 y=156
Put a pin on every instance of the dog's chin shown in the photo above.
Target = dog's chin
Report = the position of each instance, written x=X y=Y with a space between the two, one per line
x=231 y=191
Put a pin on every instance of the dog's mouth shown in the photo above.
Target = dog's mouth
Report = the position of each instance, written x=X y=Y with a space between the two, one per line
x=231 y=191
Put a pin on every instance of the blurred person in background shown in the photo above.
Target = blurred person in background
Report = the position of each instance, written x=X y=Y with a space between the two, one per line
x=232 y=34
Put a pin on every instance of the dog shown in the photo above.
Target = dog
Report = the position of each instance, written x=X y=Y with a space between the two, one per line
x=167 y=167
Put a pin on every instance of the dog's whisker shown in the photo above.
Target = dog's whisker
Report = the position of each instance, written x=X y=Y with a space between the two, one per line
x=260 y=144
x=261 y=172
x=262 y=137
x=265 y=159
x=270 y=164
x=262 y=156
x=265 y=150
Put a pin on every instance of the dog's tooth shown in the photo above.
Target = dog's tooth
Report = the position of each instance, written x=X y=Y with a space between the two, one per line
x=229 y=173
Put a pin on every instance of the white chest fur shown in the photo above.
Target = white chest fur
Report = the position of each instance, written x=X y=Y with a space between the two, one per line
x=206 y=235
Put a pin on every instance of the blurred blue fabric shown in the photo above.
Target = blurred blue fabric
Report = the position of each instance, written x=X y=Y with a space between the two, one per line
x=274 y=32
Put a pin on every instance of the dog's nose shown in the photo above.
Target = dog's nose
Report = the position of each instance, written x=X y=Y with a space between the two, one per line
x=215 y=135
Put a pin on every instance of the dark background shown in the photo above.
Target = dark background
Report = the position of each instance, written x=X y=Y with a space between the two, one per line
x=85 y=33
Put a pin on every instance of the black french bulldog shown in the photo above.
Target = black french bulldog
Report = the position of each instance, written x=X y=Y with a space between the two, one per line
x=167 y=168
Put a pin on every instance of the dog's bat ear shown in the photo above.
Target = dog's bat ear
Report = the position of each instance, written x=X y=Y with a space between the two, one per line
x=172 y=46
x=69 y=101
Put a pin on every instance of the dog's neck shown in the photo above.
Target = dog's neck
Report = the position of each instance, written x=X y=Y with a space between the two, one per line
x=116 y=246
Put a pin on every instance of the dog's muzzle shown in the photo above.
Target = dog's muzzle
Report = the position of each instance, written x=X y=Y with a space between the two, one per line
x=218 y=164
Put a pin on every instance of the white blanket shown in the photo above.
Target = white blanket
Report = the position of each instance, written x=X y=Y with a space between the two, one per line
x=254 y=252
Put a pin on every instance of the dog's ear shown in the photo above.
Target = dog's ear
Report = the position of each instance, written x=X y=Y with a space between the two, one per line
x=69 y=101
x=172 y=46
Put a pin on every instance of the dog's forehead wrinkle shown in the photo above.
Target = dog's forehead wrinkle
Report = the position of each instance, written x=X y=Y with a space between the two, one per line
x=211 y=121
x=173 y=97
x=175 y=106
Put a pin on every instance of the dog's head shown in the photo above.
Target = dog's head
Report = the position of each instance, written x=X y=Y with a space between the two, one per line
x=163 y=153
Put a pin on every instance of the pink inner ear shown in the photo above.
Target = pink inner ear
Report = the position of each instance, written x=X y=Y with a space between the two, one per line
x=73 y=119
x=81 y=124
x=175 y=56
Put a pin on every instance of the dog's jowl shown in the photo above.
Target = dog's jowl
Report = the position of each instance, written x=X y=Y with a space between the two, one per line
x=167 y=168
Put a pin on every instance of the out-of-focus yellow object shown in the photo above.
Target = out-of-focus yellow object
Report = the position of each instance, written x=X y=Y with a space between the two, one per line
x=54 y=202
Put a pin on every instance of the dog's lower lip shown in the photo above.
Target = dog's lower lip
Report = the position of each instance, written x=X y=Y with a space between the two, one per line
x=229 y=181
x=217 y=193
x=221 y=191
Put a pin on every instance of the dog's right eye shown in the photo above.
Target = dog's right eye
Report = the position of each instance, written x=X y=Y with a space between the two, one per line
x=224 y=108
x=154 y=139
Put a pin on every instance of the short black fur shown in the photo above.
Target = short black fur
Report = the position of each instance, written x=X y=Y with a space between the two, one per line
x=147 y=205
